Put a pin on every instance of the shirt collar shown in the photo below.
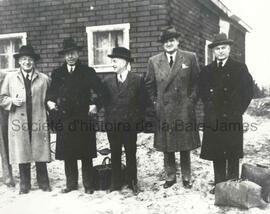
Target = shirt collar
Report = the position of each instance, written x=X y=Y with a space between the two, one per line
x=223 y=62
x=169 y=56
x=69 y=68
x=29 y=73
x=123 y=75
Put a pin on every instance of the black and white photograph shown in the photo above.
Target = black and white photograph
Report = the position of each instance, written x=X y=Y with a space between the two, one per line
x=134 y=106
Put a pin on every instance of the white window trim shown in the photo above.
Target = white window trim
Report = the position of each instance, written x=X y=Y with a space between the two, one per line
x=224 y=27
x=22 y=35
x=206 y=49
x=90 y=30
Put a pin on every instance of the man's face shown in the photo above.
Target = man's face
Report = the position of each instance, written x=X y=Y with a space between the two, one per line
x=171 y=45
x=119 y=64
x=222 y=52
x=71 y=57
x=26 y=63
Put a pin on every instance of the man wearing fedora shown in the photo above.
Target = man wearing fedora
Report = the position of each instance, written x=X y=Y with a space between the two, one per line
x=226 y=89
x=69 y=98
x=124 y=110
x=171 y=82
x=23 y=95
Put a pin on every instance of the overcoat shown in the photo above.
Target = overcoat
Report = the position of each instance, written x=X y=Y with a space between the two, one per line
x=125 y=104
x=173 y=92
x=226 y=94
x=76 y=136
x=21 y=148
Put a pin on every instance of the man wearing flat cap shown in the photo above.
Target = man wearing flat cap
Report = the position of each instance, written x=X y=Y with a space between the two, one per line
x=226 y=89
x=70 y=100
x=171 y=83
x=124 y=111
x=23 y=95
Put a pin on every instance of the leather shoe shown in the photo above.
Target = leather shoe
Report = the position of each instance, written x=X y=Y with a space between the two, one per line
x=46 y=189
x=24 y=191
x=168 y=184
x=89 y=191
x=212 y=191
x=67 y=190
x=187 y=184
x=134 y=187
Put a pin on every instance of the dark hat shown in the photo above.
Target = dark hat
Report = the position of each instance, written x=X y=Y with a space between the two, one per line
x=121 y=52
x=69 y=44
x=168 y=33
x=220 y=39
x=27 y=50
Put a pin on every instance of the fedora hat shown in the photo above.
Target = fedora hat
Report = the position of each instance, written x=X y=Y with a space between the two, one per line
x=168 y=33
x=220 y=39
x=27 y=50
x=121 y=52
x=69 y=44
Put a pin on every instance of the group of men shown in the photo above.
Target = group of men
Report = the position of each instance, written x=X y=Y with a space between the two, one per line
x=169 y=91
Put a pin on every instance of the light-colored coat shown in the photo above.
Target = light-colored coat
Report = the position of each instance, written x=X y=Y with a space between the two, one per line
x=21 y=149
x=173 y=92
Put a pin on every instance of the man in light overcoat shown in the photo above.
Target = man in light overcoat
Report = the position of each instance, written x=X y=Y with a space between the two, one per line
x=171 y=82
x=23 y=96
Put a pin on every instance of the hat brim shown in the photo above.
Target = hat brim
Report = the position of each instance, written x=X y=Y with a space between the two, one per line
x=78 y=48
x=225 y=42
x=164 y=38
x=129 y=59
x=34 y=56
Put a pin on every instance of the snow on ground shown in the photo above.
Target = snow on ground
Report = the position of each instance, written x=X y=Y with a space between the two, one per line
x=152 y=199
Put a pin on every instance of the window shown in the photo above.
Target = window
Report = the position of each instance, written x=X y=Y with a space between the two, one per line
x=224 y=27
x=209 y=57
x=101 y=40
x=9 y=45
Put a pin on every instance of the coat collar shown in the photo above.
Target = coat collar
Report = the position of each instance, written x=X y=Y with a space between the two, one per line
x=34 y=77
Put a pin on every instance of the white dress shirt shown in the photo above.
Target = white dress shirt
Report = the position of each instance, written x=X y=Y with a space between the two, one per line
x=25 y=74
x=122 y=76
x=169 y=56
x=223 y=62
x=70 y=68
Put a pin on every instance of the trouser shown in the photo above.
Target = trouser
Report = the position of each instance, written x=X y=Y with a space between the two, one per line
x=71 y=171
x=41 y=172
x=128 y=139
x=226 y=169
x=170 y=166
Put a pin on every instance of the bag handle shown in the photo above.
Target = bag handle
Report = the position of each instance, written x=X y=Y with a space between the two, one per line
x=105 y=159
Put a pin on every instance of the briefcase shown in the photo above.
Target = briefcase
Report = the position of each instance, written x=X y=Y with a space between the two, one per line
x=238 y=193
x=260 y=175
x=103 y=174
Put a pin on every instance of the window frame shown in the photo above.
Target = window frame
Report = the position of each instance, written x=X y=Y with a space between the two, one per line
x=125 y=27
x=22 y=35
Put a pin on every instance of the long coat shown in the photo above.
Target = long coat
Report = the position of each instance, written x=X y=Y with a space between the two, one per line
x=76 y=136
x=125 y=104
x=226 y=94
x=173 y=92
x=21 y=148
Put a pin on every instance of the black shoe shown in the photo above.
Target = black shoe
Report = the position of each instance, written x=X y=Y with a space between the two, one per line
x=46 y=189
x=24 y=191
x=68 y=189
x=168 y=184
x=187 y=184
x=212 y=191
x=89 y=191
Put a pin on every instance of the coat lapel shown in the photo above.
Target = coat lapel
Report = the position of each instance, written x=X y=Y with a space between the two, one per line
x=175 y=68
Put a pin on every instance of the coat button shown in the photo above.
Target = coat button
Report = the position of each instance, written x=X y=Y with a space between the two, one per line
x=64 y=112
x=225 y=89
x=211 y=90
x=225 y=102
x=224 y=115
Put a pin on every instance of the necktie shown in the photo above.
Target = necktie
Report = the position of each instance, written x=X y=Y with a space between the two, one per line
x=28 y=78
x=171 y=61
x=71 y=69
x=220 y=64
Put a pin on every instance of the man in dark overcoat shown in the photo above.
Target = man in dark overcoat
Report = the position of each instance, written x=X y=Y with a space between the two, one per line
x=171 y=82
x=69 y=99
x=124 y=111
x=226 y=89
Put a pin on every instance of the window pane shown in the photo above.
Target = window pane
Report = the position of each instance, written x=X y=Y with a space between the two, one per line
x=17 y=44
x=4 y=62
x=4 y=46
x=116 y=38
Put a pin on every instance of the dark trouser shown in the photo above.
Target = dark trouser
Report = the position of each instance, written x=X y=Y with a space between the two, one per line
x=128 y=139
x=71 y=171
x=226 y=169
x=25 y=175
x=170 y=166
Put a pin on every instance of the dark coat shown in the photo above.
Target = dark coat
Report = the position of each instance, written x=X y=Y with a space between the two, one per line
x=173 y=92
x=125 y=104
x=76 y=137
x=226 y=95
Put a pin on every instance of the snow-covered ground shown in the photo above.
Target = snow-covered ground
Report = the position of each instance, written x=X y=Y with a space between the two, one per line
x=152 y=198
